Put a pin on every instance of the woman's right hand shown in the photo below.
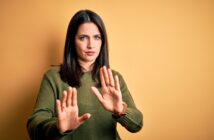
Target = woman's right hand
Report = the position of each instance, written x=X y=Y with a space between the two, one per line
x=68 y=112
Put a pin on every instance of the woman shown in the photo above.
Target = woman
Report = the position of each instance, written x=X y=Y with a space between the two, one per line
x=83 y=99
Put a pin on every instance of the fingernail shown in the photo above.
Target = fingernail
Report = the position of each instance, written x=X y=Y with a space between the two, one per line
x=69 y=88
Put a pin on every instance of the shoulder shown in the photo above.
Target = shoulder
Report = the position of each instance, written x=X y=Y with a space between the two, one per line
x=52 y=75
x=53 y=72
x=114 y=72
x=122 y=81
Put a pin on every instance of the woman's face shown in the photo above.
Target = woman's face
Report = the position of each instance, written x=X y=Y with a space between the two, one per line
x=88 y=42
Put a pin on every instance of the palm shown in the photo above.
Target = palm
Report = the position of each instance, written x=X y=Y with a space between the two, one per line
x=67 y=111
x=69 y=114
x=110 y=97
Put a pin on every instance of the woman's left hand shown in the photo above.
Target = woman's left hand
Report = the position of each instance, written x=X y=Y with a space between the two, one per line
x=110 y=96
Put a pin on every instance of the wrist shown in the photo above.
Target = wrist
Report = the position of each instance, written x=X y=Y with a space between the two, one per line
x=65 y=131
x=121 y=113
x=62 y=130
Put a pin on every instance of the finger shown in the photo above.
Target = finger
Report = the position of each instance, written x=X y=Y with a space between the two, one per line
x=69 y=96
x=102 y=79
x=84 y=118
x=63 y=101
x=111 y=79
x=97 y=93
x=58 y=107
x=74 y=97
x=117 y=83
x=105 y=74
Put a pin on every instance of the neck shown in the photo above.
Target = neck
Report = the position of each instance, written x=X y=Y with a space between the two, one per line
x=86 y=66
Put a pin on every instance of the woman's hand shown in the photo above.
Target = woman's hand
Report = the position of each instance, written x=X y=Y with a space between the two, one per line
x=110 y=97
x=67 y=111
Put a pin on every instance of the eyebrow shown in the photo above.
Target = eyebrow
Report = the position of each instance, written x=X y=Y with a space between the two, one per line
x=88 y=35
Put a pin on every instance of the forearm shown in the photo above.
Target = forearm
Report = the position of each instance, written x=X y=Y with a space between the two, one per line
x=42 y=126
x=132 y=121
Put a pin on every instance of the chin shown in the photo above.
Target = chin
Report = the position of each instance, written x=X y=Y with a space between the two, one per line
x=90 y=59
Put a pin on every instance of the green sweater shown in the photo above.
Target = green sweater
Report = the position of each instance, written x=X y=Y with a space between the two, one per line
x=42 y=124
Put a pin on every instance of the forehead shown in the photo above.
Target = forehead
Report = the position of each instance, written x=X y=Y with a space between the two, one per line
x=88 y=28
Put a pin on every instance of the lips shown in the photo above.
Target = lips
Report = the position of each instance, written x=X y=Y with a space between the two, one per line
x=90 y=53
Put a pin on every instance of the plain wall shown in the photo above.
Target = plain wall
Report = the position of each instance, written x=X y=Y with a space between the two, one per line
x=164 y=50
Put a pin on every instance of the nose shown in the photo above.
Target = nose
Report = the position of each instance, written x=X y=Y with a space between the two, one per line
x=90 y=43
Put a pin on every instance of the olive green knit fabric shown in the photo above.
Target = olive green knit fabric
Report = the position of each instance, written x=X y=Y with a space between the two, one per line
x=42 y=124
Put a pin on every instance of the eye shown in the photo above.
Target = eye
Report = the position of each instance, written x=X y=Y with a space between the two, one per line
x=82 y=37
x=97 y=37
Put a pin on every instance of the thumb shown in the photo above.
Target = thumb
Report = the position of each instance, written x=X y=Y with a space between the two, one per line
x=97 y=93
x=84 y=118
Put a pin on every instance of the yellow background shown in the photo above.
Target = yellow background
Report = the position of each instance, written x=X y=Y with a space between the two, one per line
x=164 y=49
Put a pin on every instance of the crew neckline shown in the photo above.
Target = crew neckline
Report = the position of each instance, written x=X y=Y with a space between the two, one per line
x=87 y=72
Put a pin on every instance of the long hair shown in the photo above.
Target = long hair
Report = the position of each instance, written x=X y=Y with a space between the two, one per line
x=70 y=70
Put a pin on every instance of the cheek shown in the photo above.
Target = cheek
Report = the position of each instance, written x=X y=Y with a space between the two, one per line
x=99 y=45
x=98 y=48
x=79 y=46
x=78 y=49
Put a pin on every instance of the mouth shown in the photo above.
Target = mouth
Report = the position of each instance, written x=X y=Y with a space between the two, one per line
x=90 y=53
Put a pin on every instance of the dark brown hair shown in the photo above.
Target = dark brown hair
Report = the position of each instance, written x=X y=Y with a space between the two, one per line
x=71 y=70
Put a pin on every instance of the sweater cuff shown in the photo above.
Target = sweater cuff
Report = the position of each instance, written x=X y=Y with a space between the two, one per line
x=120 y=114
x=131 y=120
x=54 y=131
x=123 y=118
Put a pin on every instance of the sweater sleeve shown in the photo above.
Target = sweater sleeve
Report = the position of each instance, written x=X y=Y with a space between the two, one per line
x=133 y=120
x=42 y=124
